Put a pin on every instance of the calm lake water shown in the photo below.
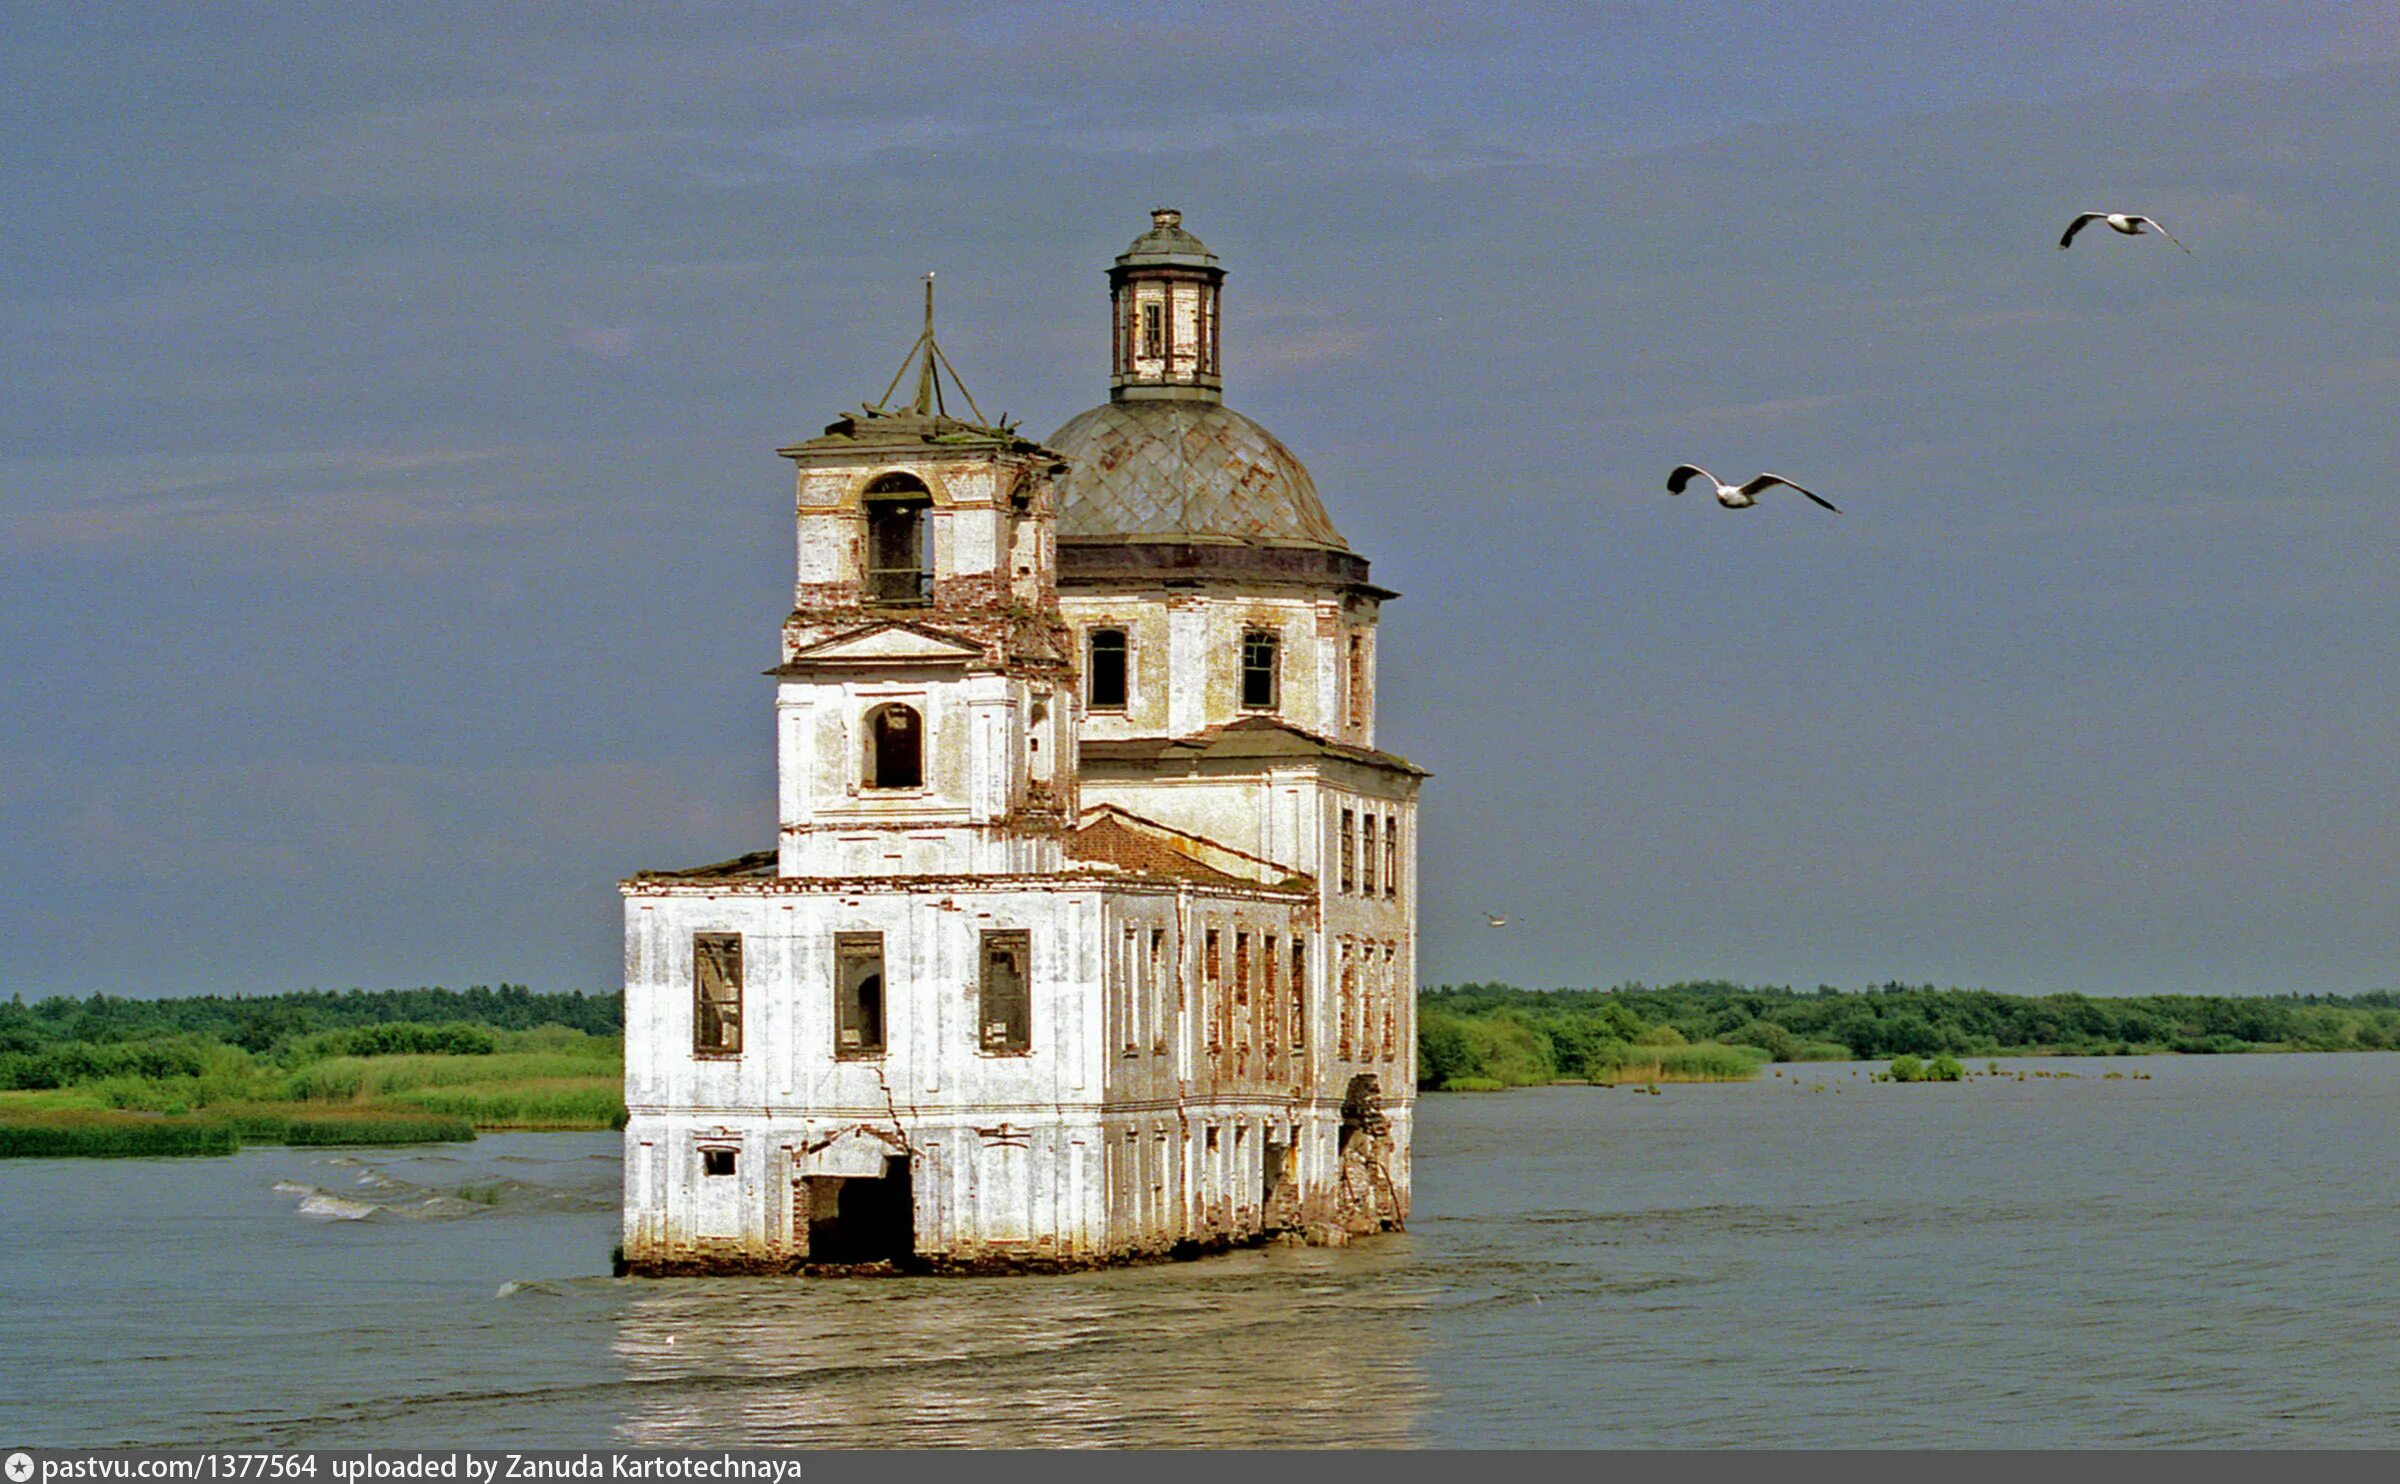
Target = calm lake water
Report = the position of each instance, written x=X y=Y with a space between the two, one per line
x=2205 y=1257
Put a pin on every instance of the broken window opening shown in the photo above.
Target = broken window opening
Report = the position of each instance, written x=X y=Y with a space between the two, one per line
x=1154 y=331
x=1366 y=865
x=1349 y=1004
x=1260 y=675
x=1358 y=680
x=1349 y=850
x=1212 y=986
x=1299 y=994
x=716 y=1161
x=1105 y=674
x=1133 y=990
x=1391 y=855
x=717 y=994
x=899 y=551
x=1239 y=1011
x=895 y=748
x=1270 y=1004
x=1005 y=1001
x=858 y=994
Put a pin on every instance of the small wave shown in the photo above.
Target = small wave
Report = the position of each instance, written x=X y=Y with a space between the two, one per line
x=322 y=1207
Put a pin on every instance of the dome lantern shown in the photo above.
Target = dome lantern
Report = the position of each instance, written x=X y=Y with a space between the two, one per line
x=1164 y=293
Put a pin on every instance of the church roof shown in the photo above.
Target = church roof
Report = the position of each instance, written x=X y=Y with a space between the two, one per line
x=1184 y=471
x=1251 y=737
x=1114 y=837
x=1167 y=244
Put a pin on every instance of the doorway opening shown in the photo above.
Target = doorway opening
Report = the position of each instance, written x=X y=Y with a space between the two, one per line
x=855 y=1220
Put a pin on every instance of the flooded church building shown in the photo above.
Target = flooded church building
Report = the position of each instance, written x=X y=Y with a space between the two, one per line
x=1089 y=930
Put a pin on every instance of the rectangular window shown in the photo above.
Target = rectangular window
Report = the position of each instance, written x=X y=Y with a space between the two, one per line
x=858 y=994
x=1393 y=989
x=1104 y=671
x=1391 y=855
x=1154 y=330
x=1134 y=992
x=1158 y=989
x=716 y=1161
x=1005 y=1003
x=1299 y=994
x=1367 y=853
x=1212 y=988
x=1346 y=1028
x=1260 y=676
x=1239 y=1012
x=1358 y=680
x=1349 y=850
x=1270 y=1004
x=717 y=994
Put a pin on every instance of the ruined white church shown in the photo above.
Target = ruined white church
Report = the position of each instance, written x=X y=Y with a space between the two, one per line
x=1090 y=930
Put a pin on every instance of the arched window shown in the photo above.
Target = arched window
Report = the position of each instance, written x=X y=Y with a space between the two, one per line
x=899 y=546
x=895 y=748
x=1261 y=680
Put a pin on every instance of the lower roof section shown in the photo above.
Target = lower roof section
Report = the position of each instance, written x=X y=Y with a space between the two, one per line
x=1106 y=562
x=1111 y=847
x=1261 y=738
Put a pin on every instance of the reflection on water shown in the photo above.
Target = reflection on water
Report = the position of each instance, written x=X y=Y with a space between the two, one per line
x=1285 y=1348
x=2200 y=1258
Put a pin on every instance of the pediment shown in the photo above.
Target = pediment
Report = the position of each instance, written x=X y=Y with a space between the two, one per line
x=852 y=1153
x=890 y=644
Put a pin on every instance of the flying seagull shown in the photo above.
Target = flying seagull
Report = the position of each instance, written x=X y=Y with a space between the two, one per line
x=2118 y=221
x=1497 y=922
x=1737 y=497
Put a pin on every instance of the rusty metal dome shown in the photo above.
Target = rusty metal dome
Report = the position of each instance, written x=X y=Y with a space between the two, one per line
x=1185 y=471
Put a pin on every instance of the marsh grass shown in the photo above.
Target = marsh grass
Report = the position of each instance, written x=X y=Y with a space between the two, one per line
x=1708 y=1062
x=310 y=1125
x=110 y=1133
x=370 y=1078
x=548 y=1103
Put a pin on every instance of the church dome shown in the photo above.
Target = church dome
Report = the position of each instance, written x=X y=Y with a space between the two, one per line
x=1184 y=471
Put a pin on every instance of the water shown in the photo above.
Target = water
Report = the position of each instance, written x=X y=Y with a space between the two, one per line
x=2200 y=1258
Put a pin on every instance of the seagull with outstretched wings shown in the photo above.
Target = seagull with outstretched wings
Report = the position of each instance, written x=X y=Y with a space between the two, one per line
x=1737 y=496
x=2118 y=221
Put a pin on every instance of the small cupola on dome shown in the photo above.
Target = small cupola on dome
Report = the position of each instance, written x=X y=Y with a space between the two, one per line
x=1163 y=296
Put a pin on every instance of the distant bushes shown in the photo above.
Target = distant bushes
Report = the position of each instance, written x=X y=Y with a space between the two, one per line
x=409 y=1038
x=1910 y=1069
x=1509 y=1049
x=1896 y=1020
x=105 y=1076
x=263 y=1023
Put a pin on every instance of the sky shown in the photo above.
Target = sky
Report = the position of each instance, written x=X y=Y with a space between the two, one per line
x=391 y=537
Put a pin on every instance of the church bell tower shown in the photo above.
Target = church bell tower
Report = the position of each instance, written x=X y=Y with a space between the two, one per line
x=926 y=711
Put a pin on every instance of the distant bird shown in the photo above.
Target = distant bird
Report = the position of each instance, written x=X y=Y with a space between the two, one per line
x=1492 y=921
x=2118 y=221
x=1737 y=497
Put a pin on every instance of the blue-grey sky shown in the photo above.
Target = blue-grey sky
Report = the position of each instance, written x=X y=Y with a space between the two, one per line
x=391 y=536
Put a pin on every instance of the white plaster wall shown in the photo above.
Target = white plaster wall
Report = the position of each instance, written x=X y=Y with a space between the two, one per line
x=1078 y=1149
x=1184 y=660
x=981 y=751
